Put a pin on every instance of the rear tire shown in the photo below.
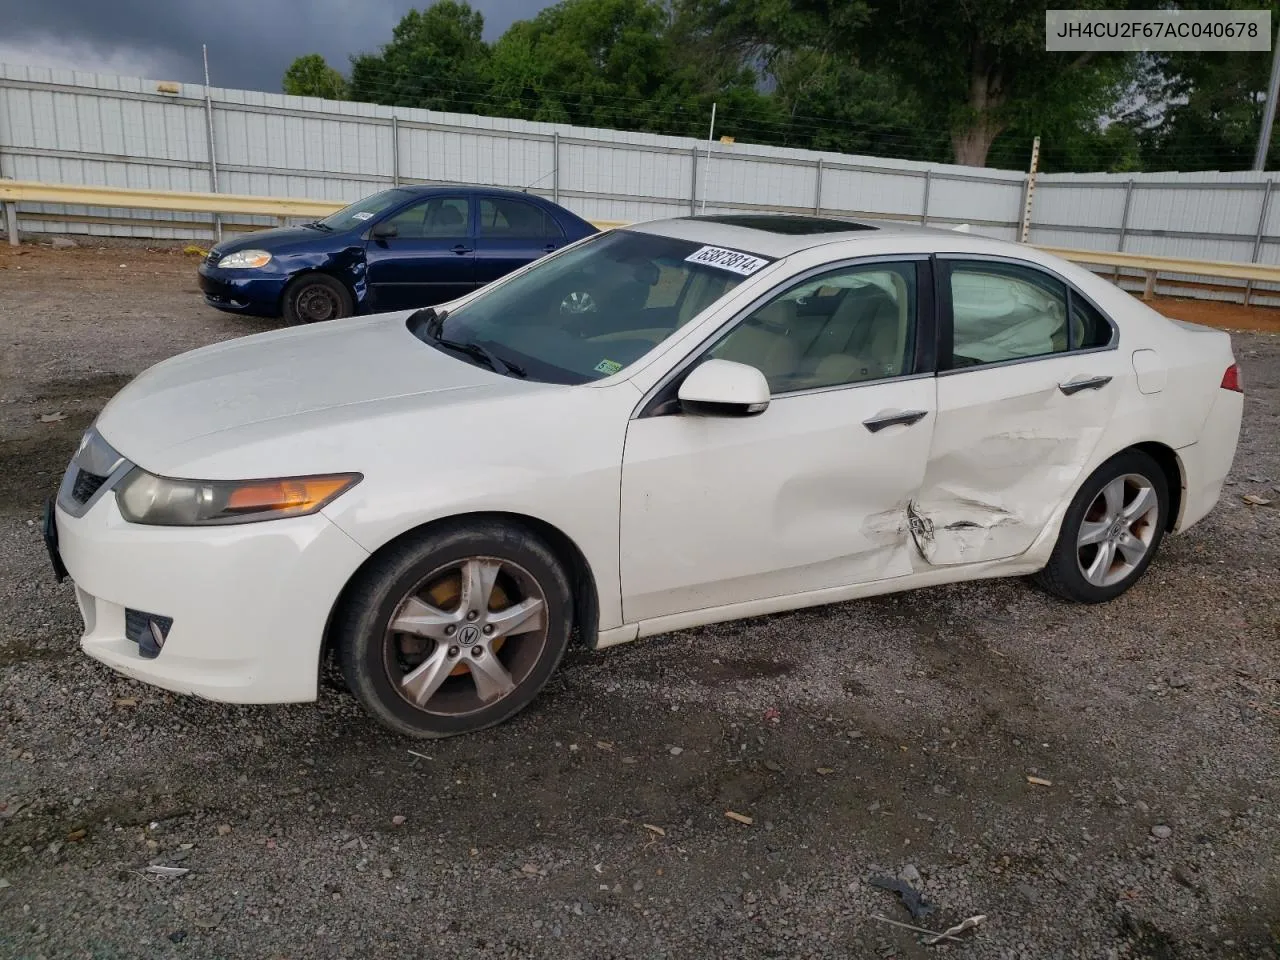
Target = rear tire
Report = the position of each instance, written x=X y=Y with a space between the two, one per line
x=1111 y=531
x=455 y=630
x=316 y=298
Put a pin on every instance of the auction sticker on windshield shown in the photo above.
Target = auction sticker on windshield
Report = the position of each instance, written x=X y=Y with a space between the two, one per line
x=731 y=260
x=362 y=215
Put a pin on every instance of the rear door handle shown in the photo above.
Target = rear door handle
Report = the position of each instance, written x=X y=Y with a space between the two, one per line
x=1083 y=383
x=906 y=418
x=548 y=248
x=461 y=248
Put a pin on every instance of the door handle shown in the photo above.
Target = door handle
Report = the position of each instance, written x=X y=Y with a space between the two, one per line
x=548 y=248
x=461 y=248
x=906 y=419
x=1083 y=383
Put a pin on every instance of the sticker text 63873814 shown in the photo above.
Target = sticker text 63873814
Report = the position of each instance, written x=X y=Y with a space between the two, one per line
x=731 y=260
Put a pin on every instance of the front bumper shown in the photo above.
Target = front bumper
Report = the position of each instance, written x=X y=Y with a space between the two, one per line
x=248 y=603
x=242 y=291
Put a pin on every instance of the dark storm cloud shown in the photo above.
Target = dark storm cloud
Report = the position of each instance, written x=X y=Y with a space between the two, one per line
x=251 y=42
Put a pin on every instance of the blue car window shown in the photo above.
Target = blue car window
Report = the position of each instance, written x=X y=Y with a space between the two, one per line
x=446 y=217
x=433 y=217
x=514 y=219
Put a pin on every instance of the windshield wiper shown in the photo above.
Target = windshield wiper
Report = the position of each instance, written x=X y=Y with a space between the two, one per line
x=317 y=225
x=474 y=349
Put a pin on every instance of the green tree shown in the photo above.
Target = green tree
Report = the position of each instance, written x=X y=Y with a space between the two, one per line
x=603 y=63
x=975 y=69
x=436 y=60
x=311 y=76
x=1202 y=111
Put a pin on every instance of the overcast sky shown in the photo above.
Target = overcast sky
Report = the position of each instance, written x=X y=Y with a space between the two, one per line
x=251 y=42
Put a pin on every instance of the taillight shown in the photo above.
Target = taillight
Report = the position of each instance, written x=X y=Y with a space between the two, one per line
x=1231 y=379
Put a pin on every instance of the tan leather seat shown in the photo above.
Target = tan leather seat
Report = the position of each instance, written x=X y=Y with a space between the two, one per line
x=762 y=341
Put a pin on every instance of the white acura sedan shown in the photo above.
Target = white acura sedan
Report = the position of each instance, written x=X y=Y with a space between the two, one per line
x=681 y=422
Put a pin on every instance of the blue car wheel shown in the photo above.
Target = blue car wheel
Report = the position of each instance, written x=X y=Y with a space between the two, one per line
x=315 y=298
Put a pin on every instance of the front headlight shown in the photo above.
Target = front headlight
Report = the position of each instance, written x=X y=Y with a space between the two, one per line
x=245 y=259
x=146 y=498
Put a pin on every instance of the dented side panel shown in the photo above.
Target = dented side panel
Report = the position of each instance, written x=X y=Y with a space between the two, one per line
x=724 y=510
x=1008 y=448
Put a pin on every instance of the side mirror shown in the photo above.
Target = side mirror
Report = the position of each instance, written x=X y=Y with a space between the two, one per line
x=385 y=229
x=726 y=389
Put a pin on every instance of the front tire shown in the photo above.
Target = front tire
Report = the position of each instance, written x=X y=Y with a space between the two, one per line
x=1111 y=531
x=455 y=630
x=316 y=298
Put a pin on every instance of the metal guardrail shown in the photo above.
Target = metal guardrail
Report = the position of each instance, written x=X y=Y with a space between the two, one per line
x=13 y=192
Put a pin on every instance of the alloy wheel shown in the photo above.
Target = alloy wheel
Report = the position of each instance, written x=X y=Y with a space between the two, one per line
x=1117 y=530
x=467 y=636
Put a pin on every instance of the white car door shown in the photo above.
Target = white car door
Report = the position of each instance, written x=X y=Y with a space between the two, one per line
x=1028 y=381
x=809 y=494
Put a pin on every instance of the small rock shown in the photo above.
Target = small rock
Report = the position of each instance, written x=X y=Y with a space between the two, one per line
x=529 y=868
x=676 y=751
x=909 y=874
x=63 y=243
x=1161 y=832
x=224 y=829
x=397 y=820
x=351 y=844
x=1141 y=806
x=52 y=417
x=386 y=873
x=1028 y=891
x=637 y=886
x=773 y=765
x=55 y=846
x=4 y=883
x=178 y=936
x=1178 y=682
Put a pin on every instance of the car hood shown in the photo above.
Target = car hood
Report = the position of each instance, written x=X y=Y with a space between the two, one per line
x=341 y=370
x=277 y=240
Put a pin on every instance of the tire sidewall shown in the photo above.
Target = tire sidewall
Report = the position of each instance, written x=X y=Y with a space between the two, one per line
x=362 y=640
x=296 y=287
x=1066 y=554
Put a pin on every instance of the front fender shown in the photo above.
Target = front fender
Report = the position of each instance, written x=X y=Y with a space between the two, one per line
x=347 y=265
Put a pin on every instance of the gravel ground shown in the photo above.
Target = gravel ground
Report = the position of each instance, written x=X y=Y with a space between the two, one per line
x=886 y=736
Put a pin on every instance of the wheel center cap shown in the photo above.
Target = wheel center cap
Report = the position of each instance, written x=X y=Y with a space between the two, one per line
x=1117 y=528
x=469 y=634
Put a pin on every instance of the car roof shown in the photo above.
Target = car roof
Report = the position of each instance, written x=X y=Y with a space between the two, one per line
x=782 y=234
x=427 y=189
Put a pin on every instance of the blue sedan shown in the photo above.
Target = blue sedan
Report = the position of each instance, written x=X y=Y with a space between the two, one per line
x=403 y=248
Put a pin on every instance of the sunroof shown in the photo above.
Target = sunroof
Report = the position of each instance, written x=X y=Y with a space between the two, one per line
x=789 y=224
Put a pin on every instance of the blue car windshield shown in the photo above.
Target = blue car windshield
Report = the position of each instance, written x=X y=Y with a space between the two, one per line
x=364 y=210
x=591 y=311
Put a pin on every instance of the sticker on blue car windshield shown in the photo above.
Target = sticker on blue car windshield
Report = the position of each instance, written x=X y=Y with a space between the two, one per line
x=362 y=215
x=731 y=260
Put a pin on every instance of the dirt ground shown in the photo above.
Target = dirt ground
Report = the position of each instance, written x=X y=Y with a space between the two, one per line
x=877 y=737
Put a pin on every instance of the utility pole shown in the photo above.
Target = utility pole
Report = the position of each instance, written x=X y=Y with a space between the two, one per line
x=1025 y=232
x=1269 y=115
x=213 y=161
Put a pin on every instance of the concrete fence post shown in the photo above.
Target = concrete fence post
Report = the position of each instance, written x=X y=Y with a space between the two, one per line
x=11 y=222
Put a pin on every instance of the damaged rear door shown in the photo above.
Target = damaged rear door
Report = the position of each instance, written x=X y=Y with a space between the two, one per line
x=1028 y=381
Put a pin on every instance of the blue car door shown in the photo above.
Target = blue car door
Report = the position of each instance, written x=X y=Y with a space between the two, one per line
x=423 y=254
x=511 y=233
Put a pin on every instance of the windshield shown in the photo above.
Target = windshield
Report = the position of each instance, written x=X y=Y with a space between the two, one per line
x=364 y=210
x=589 y=312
